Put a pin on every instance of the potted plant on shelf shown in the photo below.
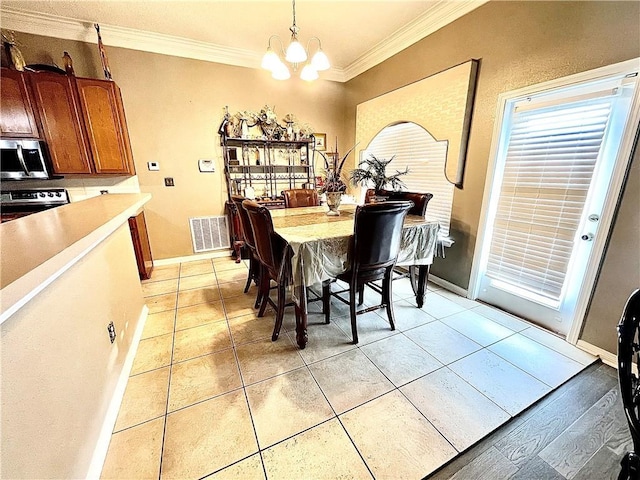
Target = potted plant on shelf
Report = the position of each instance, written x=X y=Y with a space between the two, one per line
x=334 y=186
x=373 y=170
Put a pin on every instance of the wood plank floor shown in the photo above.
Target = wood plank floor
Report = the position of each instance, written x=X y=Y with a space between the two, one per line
x=578 y=431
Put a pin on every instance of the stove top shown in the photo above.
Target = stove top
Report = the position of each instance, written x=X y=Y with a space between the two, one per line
x=43 y=197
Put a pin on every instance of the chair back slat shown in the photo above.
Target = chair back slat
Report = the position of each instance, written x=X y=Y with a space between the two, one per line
x=377 y=234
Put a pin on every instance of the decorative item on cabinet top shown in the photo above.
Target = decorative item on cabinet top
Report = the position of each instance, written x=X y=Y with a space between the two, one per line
x=103 y=55
x=14 y=55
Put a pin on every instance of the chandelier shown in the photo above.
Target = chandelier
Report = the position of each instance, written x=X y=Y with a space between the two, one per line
x=296 y=55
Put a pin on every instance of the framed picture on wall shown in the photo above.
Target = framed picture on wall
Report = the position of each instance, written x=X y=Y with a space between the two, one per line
x=321 y=141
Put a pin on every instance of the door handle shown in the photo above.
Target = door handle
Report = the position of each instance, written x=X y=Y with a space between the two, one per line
x=587 y=237
x=23 y=164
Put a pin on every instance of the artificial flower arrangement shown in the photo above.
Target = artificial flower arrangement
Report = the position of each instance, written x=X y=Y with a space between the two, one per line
x=333 y=171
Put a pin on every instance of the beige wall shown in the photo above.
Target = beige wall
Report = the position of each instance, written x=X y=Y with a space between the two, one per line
x=59 y=370
x=174 y=107
x=519 y=44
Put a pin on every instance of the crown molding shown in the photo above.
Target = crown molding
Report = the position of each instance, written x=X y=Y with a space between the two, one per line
x=83 y=31
x=440 y=15
x=443 y=13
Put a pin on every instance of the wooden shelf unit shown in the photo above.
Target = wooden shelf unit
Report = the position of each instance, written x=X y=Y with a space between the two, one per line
x=268 y=166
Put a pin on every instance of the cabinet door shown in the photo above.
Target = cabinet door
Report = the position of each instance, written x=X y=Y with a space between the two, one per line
x=16 y=111
x=60 y=117
x=141 y=246
x=108 y=140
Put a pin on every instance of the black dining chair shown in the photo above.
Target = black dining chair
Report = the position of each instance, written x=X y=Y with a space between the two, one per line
x=301 y=197
x=420 y=202
x=372 y=256
x=249 y=241
x=274 y=254
x=628 y=349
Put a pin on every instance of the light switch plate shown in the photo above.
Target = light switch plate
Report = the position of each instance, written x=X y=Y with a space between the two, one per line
x=206 y=165
x=153 y=166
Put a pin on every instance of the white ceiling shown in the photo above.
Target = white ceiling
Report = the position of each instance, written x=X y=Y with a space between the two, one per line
x=355 y=35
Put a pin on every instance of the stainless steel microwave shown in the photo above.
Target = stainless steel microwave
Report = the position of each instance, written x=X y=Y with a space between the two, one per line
x=22 y=160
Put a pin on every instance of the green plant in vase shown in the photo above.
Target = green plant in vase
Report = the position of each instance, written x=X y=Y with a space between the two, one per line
x=373 y=170
x=334 y=186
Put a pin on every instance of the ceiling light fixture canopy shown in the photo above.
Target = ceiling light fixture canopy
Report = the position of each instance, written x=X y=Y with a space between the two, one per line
x=296 y=55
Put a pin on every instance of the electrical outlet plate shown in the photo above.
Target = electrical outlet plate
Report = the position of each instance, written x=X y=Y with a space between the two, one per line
x=153 y=166
x=112 y=332
x=168 y=182
x=206 y=165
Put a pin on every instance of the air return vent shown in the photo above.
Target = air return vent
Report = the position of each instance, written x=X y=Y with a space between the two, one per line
x=209 y=233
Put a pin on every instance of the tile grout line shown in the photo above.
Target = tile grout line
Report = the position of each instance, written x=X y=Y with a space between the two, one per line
x=243 y=385
x=166 y=411
x=337 y=417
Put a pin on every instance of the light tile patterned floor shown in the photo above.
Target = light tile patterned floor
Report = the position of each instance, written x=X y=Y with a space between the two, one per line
x=211 y=396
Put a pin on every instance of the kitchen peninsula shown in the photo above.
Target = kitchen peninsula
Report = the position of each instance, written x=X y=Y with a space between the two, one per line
x=66 y=274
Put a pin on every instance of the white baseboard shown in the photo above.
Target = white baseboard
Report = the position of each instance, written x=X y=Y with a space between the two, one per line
x=448 y=286
x=192 y=258
x=102 y=446
x=607 y=358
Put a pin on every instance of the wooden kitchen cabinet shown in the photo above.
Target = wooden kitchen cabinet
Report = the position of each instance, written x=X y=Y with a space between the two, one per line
x=103 y=115
x=54 y=96
x=17 y=119
x=82 y=121
x=141 y=245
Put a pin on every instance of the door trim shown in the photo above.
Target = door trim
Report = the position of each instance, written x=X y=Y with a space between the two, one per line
x=613 y=194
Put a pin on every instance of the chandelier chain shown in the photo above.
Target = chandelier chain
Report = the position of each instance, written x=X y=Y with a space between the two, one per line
x=294 y=13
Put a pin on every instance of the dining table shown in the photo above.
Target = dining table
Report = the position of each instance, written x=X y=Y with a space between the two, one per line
x=320 y=243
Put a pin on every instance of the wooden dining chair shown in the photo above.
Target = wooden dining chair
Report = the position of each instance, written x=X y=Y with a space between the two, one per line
x=249 y=241
x=274 y=254
x=372 y=256
x=301 y=197
x=369 y=194
x=628 y=350
x=420 y=200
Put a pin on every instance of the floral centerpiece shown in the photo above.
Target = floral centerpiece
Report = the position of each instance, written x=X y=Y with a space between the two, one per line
x=334 y=186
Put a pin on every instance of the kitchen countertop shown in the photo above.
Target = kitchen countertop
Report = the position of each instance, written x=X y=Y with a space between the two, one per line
x=38 y=248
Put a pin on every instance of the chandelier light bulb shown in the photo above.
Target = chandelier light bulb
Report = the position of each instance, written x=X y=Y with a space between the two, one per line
x=270 y=60
x=280 y=71
x=309 y=73
x=320 y=61
x=295 y=51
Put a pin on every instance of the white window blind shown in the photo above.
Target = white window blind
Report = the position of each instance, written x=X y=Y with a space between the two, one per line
x=551 y=154
x=415 y=148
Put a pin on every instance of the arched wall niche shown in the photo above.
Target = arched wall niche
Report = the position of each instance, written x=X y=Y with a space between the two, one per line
x=414 y=148
x=441 y=104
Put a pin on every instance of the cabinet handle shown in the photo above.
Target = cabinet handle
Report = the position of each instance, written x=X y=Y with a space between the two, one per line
x=23 y=164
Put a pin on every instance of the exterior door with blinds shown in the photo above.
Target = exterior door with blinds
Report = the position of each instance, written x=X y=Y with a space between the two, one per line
x=557 y=154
